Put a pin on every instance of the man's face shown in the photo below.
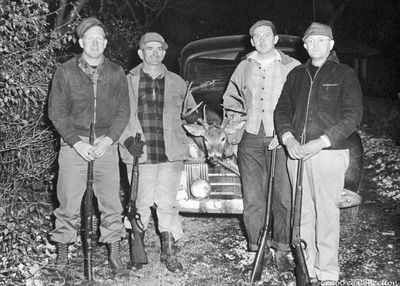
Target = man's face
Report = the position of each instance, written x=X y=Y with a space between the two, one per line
x=152 y=54
x=318 y=47
x=93 y=42
x=264 y=40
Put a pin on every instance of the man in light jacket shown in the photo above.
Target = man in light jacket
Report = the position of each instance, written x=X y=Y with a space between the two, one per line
x=156 y=97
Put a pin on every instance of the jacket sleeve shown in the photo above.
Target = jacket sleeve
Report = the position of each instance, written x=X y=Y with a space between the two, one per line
x=234 y=88
x=122 y=115
x=58 y=107
x=284 y=110
x=351 y=110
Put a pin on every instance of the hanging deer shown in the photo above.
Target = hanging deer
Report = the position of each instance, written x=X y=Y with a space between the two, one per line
x=213 y=139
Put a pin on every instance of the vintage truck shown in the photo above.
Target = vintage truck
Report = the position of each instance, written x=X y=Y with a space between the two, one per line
x=209 y=63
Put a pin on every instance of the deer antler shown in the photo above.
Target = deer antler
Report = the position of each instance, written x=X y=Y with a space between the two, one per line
x=188 y=94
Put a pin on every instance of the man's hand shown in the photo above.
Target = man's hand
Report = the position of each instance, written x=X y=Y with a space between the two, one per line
x=294 y=148
x=313 y=147
x=135 y=148
x=274 y=143
x=101 y=146
x=85 y=150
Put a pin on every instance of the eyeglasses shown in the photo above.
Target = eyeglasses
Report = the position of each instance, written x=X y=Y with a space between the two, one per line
x=319 y=40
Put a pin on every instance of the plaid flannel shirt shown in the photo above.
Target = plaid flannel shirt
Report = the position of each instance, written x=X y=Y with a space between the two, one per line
x=150 y=113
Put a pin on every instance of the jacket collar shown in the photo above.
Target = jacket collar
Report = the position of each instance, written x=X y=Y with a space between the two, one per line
x=279 y=56
x=332 y=57
x=136 y=70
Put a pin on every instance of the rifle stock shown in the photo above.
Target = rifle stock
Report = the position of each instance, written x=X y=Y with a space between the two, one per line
x=302 y=276
x=88 y=216
x=132 y=219
x=263 y=240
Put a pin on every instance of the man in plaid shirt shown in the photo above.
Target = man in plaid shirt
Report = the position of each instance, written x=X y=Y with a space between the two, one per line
x=156 y=96
x=259 y=79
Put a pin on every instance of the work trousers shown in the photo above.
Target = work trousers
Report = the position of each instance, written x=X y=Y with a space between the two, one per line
x=71 y=186
x=158 y=185
x=254 y=161
x=323 y=182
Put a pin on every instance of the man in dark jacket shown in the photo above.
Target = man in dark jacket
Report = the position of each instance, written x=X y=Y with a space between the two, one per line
x=89 y=88
x=322 y=101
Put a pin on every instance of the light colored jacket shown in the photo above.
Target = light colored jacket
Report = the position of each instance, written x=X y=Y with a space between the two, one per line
x=175 y=139
x=260 y=90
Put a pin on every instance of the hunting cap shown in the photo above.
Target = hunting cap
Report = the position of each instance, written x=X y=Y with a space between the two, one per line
x=86 y=24
x=318 y=29
x=262 y=23
x=152 y=37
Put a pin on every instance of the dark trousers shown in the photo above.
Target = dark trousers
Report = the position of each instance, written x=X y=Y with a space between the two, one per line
x=254 y=162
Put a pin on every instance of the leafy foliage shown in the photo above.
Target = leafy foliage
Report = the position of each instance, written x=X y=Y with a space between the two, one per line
x=27 y=141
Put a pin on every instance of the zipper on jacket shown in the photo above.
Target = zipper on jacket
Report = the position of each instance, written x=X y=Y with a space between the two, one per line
x=308 y=99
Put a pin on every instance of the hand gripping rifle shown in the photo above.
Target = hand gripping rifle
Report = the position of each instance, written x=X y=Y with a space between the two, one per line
x=87 y=231
x=132 y=219
x=301 y=271
x=263 y=239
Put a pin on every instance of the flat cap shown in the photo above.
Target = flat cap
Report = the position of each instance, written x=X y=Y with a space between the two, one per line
x=318 y=29
x=86 y=24
x=152 y=37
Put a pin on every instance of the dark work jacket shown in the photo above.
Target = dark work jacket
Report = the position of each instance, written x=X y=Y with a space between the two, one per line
x=330 y=104
x=72 y=101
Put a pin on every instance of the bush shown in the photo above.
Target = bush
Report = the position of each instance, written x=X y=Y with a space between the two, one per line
x=27 y=140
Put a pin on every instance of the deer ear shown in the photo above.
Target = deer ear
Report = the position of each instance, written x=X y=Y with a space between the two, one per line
x=194 y=129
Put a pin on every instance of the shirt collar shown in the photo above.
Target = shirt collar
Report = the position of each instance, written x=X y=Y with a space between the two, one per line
x=254 y=56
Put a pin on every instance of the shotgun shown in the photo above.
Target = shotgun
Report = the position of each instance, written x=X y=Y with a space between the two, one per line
x=87 y=231
x=263 y=239
x=301 y=271
x=132 y=220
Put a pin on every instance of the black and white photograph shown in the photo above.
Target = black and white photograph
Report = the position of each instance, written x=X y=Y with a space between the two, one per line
x=199 y=143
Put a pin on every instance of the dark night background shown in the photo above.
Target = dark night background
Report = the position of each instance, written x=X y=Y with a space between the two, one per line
x=362 y=29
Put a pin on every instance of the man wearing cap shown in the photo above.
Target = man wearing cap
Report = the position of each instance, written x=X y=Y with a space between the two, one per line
x=156 y=96
x=89 y=89
x=259 y=80
x=322 y=101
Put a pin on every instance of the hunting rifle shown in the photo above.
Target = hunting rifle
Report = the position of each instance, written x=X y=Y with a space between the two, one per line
x=132 y=219
x=87 y=231
x=301 y=271
x=263 y=239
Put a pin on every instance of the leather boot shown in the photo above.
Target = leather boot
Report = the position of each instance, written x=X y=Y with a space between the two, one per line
x=62 y=254
x=285 y=267
x=114 y=259
x=168 y=256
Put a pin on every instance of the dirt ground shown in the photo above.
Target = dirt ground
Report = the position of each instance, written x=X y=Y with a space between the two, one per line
x=213 y=250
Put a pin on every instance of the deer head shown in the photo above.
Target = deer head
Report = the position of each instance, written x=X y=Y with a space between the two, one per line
x=215 y=141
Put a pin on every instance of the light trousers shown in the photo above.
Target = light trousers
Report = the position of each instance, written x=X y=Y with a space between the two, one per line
x=323 y=182
x=158 y=185
x=71 y=186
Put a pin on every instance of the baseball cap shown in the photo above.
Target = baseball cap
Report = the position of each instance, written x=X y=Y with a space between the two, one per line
x=318 y=29
x=262 y=23
x=152 y=37
x=86 y=24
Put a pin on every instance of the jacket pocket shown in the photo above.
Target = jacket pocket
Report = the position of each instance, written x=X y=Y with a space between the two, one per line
x=327 y=97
